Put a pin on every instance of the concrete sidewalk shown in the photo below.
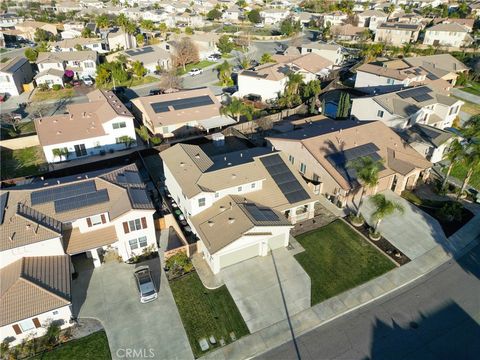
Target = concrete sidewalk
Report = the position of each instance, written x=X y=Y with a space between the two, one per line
x=266 y=339
x=466 y=96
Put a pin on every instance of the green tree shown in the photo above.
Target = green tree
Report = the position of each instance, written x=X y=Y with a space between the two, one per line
x=189 y=30
x=454 y=153
x=104 y=75
x=289 y=27
x=43 y=47
x=144 y=134
x=31 y=54
x=291 y=94
x=311 y=90
x=254 y=16
x=225 y=73
x=384 y=208
x=102 y=21
x=42 y=35
x=224 y=45
x=267 y=58
x=343 y=108
x=138 y=69
x=236 y=109
x=470 y=158
x=126 y=140
x=52 y=335
x=214 y=14
x=366 y=170
x=87 y=32
x=78 y=47
x=147 y=25
x=60 y=153
x=140 y=39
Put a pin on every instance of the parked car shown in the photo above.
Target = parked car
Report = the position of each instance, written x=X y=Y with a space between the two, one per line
x=253 y=97
x=259 y=25
x=87 y=80
x=254 y=63
x=214 y=57
x=227 y=23
x=145 y=284
x=237 y=68
x=156 y=92
x=195 y=71
x=230 y=90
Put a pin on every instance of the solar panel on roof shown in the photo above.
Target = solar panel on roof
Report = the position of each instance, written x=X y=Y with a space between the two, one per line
x=414 y=92
x=142 y=51
x=139 y=196
x=62 y=192
x=284 y=178
x=181 y=104
x=261 y=214
x=422 y=97
x=3 y=204
x=80 y=201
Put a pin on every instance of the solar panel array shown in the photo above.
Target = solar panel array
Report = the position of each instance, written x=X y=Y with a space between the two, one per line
x=80 y=201
x=130 y=178
x=422 y=97
x=3 y=204
x=145 y=50
x=261 y=214
x=418 y=91
x=283 y=177
x=139 y=196
x=38 y=217
x=62 y=192
x=182 y=104
x=340 y=158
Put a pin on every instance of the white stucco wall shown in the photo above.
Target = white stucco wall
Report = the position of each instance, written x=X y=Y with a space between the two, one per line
x=444 y=38
x=267 y=89
x=376 y=84
x=49 y=247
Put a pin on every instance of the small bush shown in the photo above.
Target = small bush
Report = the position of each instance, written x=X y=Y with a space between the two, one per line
x=43 y=87
x=68 y=86
x=451 y=211
x=410 y=196
x=56 y=87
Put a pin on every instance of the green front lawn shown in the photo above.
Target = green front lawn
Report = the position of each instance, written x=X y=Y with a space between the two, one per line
x=200 y=65
x=472 y=87
x=94 y=347
x=22 y=162
x=51 y=94
x=337 y=259
x=134 y=81
x=459 y=171
x=7 y=132
x=206 y=312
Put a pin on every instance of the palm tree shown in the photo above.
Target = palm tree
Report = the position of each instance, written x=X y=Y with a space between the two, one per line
x=367 y=171
x=138 y=69
x=310 y=92
x=266 y=58
x=471 y=161
x=295 y=80
x=384 y=208
x=237 y=108
x=454 y=153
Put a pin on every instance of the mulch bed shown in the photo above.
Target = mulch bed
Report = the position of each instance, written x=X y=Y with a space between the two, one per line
x=449 y=228
x=385 y=246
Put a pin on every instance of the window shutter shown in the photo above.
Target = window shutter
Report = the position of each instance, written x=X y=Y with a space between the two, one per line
x=17 y=329
x=144 y=223
x=125 y=227
x=36 y=322
x=89 y=222
x=103 y=219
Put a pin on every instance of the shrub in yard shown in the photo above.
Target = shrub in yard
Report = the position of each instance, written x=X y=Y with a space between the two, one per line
x=52 y=335
x=56 y=87
x=68 y=86
x=43 y=87
x=178 y=265
x=410 y=196
x=451 y=211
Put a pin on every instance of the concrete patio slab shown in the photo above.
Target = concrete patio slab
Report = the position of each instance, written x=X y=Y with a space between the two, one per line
x=262 y=286
x=109 y=294
x=413 y=233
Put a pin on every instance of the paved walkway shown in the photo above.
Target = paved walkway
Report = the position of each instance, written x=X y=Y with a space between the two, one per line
x=273 y=336
x=413 y=233
x=466 y=96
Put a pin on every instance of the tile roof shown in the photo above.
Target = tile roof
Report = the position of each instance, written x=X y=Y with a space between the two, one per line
x=445 y=62
x=34 y=285
x=450 y=27
x=70 y=43
x=77 y=242
x=399 y=26
x=426 y=134
x=401 y=74
x=55 y=57
x=51 y=71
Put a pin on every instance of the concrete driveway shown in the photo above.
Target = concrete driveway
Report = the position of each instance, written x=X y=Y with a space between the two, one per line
x=109 y=294
x=413 y=233
x=263 y=285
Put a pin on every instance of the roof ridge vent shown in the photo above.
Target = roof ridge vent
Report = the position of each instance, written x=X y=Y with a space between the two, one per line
x=210 y=223
x=231 y=220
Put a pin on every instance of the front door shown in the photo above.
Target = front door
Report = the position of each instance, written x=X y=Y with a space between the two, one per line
x=80 y=150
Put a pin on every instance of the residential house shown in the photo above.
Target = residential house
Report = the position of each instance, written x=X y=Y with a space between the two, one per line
x=444 y=66
x=180 y=113
x=378 y=79
x=347 y=32
x=333 y=52
x=45 y=223
x=448 y=34
x=52 y=66
x=269 y=80
x=402 y=109
x=119 y=40
x=322 y=148
x=240 y=204
x=397 y=33
x=152 y=57
x=430 y=142
x=101 y=125
x=468 y=23
x=274 y=16
x=334 y=18
x=232 y=13
x=371 y=19
x=475 y=8
x=26 y=29
x=13 y=74
x=9 y=20
x=206 y=43
x=94 y=44
x=191 y=19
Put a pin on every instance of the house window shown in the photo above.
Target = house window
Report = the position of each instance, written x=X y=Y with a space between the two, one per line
x=201 y=202
x=134 y=225
x=55 y=312
x=253 y=185
x=88 y=64
x=142 y=241
x=137 y=243
x=119 y=125
x=303 y=168
x=315 y=177
x=380 y=113
x=26 y=325
x=239 y=189
x=133 y=244
x=291 y=159
x=217 y=195
x=96 y=220
x=390 y=81
x=165 y=130
x=80 y=150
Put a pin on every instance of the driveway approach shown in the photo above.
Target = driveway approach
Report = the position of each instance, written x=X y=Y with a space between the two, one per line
x=413 y=233
x=261 y=285
x=109 y=294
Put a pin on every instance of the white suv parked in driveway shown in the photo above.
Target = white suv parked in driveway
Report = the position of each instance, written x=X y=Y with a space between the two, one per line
x=194 y=72
x=145 y=284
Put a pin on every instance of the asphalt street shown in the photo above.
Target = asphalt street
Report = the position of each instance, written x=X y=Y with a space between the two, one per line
x=436 y=317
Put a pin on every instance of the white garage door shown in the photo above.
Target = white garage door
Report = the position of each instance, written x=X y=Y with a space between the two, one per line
x=239 y=255
x=276 y=242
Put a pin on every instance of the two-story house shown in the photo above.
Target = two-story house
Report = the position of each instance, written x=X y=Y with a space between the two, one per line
x=274 y=16
x=232 y=13
x=13 y=74
x=371 y=19
x=103 y=124
x=79 y=44
x=402 y=109
x=397 y=33
x=448 y=34
x=333 y=52
x=52 y=66
x=321 y=150
x=240 y=204
x=334 y=18
x=428 y=141
x=45 y=223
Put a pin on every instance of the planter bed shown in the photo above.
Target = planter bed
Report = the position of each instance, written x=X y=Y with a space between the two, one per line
x=449 y=228
x=384 y=245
